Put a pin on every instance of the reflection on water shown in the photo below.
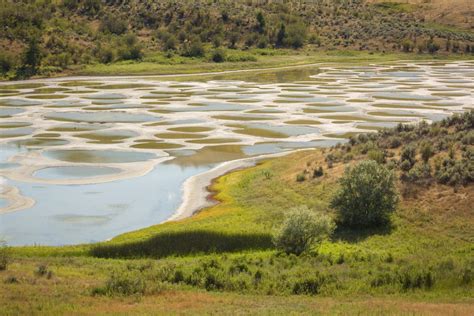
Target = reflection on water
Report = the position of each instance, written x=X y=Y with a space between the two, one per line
x=57 y=136
x=71 y=172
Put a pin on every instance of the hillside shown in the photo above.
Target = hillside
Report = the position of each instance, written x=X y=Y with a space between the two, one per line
x=222 y=260
x=47 y=37
x=457 y=13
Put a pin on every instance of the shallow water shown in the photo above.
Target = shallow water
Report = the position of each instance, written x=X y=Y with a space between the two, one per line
x=106 y=155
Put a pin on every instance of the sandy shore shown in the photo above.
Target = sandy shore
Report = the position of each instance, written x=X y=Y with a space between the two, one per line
x=195 y=193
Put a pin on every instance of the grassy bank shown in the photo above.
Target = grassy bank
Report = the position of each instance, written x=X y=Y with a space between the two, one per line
x=222 y=259
x=159 y=64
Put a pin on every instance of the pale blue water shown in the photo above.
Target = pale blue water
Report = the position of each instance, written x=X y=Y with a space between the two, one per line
x=72 y=214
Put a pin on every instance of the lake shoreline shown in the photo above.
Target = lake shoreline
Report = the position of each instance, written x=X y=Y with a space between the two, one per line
x=195 y=190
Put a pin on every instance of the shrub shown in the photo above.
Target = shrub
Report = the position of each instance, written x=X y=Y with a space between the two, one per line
x=300 y=177
x=454 y=172
x=41 y=270
x=367 y=195
x=4 y=257
x=318 y=172
x=6 y=63
x=426 y=151
x=122 y=283
x=309 y=286
x=301 y=229
x=11 y=280
x=376 y=155
x=113 y=25
x=420 y=173
x=408 y=155
x=296 y=35
x=411 y=279
x=170 y=43
x=195 y=49
x=218 y=56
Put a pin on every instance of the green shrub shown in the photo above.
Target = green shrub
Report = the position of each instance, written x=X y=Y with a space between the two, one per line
x=376 y=155
x=309 y=286
x=426 y=151
x=301 y=229
x=122 y=283
x=114 y=25
x=407 y=157
x=4 y=256
x=420 y=173
x=218 y=56
x=42 y=270
x=318 y=172
x=11 y=280
x=296 y=35
x=300 y=177
x=367 y=195
x=6 y=63
x=455 y=172
x=412 y=278
x=195 y=49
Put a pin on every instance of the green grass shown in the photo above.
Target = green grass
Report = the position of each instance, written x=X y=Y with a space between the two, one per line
x=224 y=254
x=159 y=64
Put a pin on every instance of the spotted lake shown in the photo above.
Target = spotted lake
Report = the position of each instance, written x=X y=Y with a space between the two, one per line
x=85 y=159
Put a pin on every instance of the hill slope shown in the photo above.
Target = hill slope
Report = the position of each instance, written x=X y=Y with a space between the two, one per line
x=46 y=37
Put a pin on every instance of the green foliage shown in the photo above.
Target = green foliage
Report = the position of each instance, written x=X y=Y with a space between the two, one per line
x=367 y=195
x=31 y=61
x=122 y=283
x=194 y=49
x=5 y=256
x=376 y=155
x=111 y=24
x=218 y=56
x=300 y=177
x=455 y=172
x=7 y=63
x=420 y=173
x=296 y=35
x=407 y=157
x=281 y=36
x=301 y=229
x=261 y=22
x=426 y=151
x=318 y=172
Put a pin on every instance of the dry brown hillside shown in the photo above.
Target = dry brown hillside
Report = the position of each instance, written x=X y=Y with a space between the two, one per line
x=459 y=13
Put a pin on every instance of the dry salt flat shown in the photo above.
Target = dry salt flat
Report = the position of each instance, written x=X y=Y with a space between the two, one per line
x=85 y=159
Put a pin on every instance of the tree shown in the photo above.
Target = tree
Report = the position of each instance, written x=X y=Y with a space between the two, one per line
x=281 y=36
x=170 y=43
x=296 y=35
x=261 y=22
x=301 y=229
x=32 y=57
x=367 y=195
x=195 y=49
x=31 y=60
x=218 y=56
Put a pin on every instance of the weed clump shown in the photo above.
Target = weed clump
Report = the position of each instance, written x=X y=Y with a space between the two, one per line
x=123 y=283
x=301 y=229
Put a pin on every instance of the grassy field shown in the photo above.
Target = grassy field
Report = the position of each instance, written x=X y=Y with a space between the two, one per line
x=222 y=259
x=159 y=64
